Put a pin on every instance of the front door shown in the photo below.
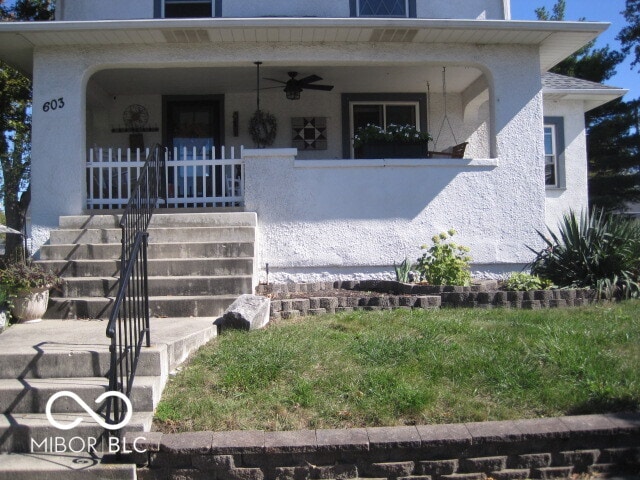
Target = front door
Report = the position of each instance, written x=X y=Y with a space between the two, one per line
x=193 y=133
x=193 y=122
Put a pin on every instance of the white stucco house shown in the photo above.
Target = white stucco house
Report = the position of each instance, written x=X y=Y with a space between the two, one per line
x=110 y=77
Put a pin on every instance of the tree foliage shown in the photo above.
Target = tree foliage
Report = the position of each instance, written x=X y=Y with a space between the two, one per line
x=15 y=124
x=629 y=36
x=612 y=139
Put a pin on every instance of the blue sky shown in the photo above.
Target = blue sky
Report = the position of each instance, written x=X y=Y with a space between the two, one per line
x=597 y=11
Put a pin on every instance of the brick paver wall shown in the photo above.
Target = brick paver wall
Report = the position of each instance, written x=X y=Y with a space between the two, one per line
x=322 y=297
x=540 y=448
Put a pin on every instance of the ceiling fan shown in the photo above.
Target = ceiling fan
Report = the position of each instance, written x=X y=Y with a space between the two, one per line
x=294 y=86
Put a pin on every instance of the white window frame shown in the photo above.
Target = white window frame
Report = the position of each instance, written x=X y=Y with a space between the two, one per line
x=210 y=2
x=415 y=104
x=551 y=158
x=406 y=12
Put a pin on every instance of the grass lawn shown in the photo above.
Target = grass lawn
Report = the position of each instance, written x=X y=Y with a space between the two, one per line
x=411 y=367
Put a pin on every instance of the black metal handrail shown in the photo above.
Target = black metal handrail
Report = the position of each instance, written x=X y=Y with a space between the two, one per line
x=128 y=326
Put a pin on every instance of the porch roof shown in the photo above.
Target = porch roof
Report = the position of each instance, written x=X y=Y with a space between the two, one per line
x=556 y=40
x=561 y=87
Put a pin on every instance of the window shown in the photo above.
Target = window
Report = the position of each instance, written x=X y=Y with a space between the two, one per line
x=383 y=114
x=554 y=152
x=380 y=109
x=383 y=8
x=188 y=8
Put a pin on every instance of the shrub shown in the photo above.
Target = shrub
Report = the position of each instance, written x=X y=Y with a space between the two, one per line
x=592 y=251
x=525 y=281
x=445 y=262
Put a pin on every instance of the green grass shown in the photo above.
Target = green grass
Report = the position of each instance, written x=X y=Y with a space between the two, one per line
x=411 y=367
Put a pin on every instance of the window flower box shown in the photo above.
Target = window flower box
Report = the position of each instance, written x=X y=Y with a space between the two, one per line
x=392 y=150
x=397 y=141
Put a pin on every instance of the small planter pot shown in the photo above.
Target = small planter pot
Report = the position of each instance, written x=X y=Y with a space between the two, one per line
x=30 y=305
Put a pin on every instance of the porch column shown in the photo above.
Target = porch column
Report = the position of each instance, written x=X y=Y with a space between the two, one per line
x=517 y=141
x=58 y=139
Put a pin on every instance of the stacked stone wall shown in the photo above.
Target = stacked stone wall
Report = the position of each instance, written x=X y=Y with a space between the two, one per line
x=540 y=448
x=301 y=299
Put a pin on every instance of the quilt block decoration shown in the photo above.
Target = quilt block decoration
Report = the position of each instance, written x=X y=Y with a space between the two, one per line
x=309 y=133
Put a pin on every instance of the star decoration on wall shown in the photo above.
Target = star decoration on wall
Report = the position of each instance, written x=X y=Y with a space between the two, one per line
x=309 y=133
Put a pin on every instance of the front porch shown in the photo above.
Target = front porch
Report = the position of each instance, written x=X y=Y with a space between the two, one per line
x=321 y=210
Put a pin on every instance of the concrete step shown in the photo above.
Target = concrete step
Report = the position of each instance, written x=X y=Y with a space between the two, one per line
x=99 y=251
x=61 y=466
x=80 y=348
x=32 y=432
x=31 y=395
x=156 y=267
x=156 y=235
x=208 y=219
x=169 y=306
x=159 y=286
x=71 y=361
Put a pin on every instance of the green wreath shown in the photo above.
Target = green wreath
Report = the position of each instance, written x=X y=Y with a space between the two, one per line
x=263 y=127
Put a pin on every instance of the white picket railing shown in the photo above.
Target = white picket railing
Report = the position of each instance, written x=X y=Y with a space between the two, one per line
x=193 y=177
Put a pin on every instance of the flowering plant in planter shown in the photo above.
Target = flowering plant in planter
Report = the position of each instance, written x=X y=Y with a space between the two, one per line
x=406 y=134
x=16 y=277
x=28 y=284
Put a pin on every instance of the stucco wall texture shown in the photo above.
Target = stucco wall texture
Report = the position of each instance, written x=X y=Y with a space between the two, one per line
x=335 y=218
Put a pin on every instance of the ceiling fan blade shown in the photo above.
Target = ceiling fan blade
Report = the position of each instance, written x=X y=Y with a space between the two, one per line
x=325 y=88
x=309 y=79
x=274 y=80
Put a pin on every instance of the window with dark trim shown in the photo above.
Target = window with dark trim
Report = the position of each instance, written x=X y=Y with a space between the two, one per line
x=382 y=109
x=383 y=8
x=188 y=8
x=554 y=172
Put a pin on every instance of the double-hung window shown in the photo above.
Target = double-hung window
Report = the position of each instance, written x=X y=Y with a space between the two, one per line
x=554 y=176
x=188 y=8
x=383 y=8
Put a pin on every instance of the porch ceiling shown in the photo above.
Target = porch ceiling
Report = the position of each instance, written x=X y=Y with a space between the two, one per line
x=361 y=79
x=556 y=40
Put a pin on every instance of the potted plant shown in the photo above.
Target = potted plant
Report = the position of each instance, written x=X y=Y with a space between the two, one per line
x=28 y=285
x=396 y=141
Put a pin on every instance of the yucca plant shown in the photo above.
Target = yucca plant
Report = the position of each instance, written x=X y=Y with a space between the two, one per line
x=586 y=250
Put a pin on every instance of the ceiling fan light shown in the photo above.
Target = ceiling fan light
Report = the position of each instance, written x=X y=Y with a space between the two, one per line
x=292 y=92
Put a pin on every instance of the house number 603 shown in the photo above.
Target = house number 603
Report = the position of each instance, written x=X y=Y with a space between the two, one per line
x=54 y=104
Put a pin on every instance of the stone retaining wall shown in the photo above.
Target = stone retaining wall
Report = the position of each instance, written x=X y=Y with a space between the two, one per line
x=541 y=448
x=324 y=297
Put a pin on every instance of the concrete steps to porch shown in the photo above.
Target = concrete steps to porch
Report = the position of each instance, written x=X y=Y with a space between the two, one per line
x=73 y=355
x=198 y=263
